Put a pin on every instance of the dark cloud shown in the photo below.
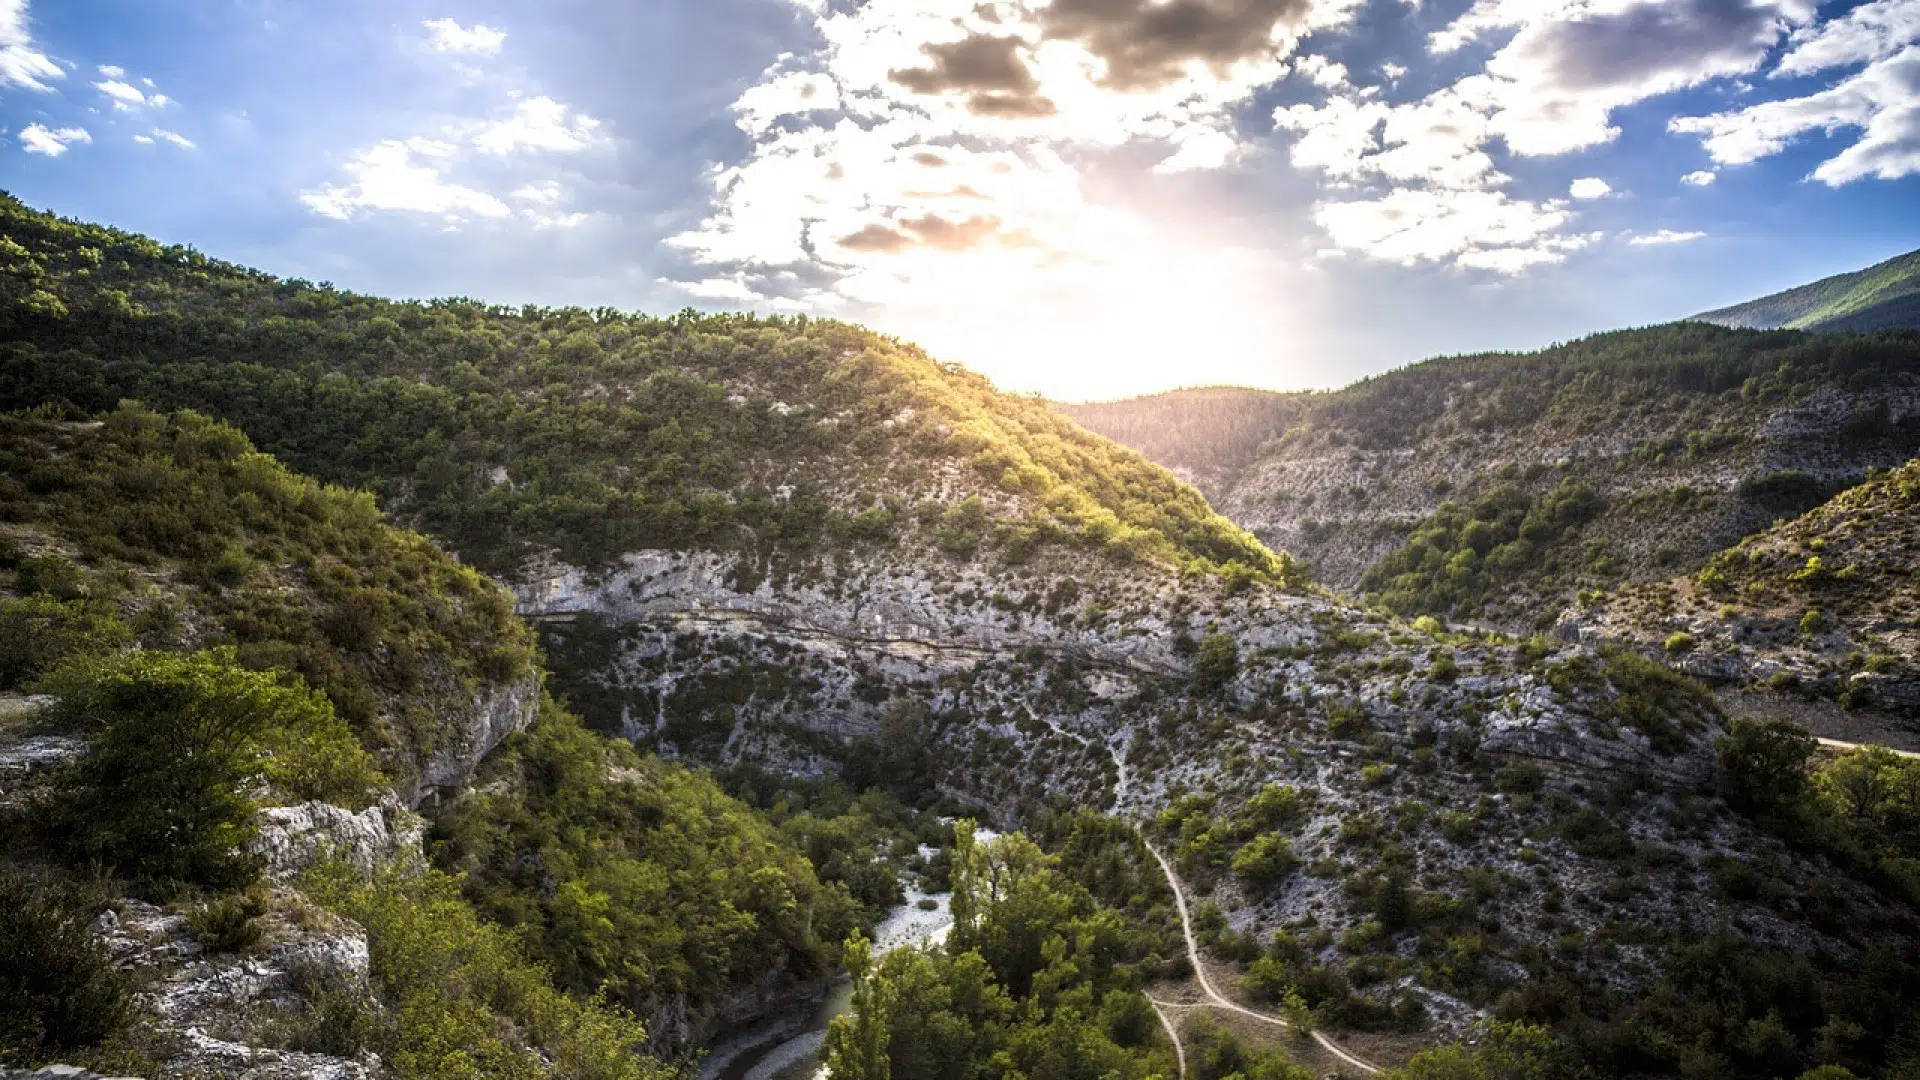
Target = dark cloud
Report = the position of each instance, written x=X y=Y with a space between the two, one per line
x=1646 y=42
x=935 y=232
x=1147 y=44
x=877 y=238
x=987 y=69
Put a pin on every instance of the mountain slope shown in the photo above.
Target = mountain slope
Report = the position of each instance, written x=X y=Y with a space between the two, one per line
x=720 y=432
x=157 y=574
x=1494 y=488
x=798 y=548
x=1881 y=297
x=1205 y=435
x=1824 y=604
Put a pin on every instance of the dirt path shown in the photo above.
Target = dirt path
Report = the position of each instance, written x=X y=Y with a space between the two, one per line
x=1836 y=744
x=1214 y=997
x=1179 y=1051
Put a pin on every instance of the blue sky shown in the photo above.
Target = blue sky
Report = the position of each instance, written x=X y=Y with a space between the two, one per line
x=1084 y=198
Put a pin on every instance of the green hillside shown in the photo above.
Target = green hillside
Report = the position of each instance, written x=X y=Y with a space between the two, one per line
x=1881 y=297
x=1496 y=487
x=588 y=433
x=1207 y=433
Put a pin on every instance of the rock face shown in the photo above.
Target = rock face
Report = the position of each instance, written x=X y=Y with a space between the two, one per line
x=1681 y=461
x=226 y=1008
x=498 y=711
x=292 y=839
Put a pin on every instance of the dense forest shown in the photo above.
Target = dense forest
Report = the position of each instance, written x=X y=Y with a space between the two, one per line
x=229 y=636
x=510 y=432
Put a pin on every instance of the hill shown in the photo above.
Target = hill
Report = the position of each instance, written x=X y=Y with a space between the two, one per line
x=851 y=581
x=1881 y=297
x=241 y=675
x=1822 y=605
x=1206 y=435
x=1495 y=488
x=581 y=434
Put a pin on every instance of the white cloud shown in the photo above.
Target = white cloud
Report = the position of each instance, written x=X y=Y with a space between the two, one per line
x=39 y=139
x=539 y=123
x=447 y=36
x=1700 y=178
x=125 y=96
x=1868 y=32
x=21 y=61
x=388 y=177
x=792 y=94
x=1665 y=236
x=1484 y=230
x=1590 y=187
x=1881 y=101
x=163 y=135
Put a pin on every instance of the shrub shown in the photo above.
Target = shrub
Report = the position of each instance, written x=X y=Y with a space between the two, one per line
x=228 y=924
x=37 y=632
x=1216 y=662
x=58 y=991
x=1680 y=643
x=1763 y=763
x=182 y=739
x=1265 y=861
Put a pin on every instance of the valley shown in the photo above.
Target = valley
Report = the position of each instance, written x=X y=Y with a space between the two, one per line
x=605 y=683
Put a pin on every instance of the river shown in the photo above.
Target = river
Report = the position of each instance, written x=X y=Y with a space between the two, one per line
x=788 y=1046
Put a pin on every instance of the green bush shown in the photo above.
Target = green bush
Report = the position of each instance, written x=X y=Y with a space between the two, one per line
x=1679 y=643
x=58 y=990
x=179 y=740
x=36 y=632
x=468 y=1003
x=1763 y=763
x=1265 y=861
x=228 y=924
x=1216 y=663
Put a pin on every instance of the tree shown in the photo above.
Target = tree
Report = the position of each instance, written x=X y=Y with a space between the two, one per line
x=1763 y=764
x=1215 y=664
x=1265 y=861
x=856 y=1043
x=182 y=740
x=58 y=990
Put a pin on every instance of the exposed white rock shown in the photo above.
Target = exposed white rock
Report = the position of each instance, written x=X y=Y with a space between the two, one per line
x=292 y=839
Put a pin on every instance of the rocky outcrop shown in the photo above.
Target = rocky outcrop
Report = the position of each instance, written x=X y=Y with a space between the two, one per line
x=219 y=1005
x=292 y=839
x=496 y=712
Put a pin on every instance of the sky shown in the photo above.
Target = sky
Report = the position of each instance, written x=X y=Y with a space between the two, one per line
x=1081 y=198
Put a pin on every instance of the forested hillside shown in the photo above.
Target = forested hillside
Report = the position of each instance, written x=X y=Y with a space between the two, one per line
x=1883 y=296
x=588 y=434
x=1206 y=435
x=1495 y=488
x=241 y=672
x=864 y=592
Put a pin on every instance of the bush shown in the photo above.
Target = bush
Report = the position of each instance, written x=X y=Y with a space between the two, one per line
x=1680 y=643
x=38 y=631
x=227 y=924
x=58 y=991
x=182 y=739
x=1215 y=664
x=1265 y=861
x=1763 y=763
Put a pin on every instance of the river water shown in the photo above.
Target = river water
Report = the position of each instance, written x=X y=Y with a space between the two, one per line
x=788 y=1047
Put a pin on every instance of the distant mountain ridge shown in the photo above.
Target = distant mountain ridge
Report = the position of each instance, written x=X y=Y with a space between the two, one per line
x=1881 y=297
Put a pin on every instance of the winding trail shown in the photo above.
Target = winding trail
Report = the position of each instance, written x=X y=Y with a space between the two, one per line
x=1179 y=1051
x=1214 y=997
x=1836 y=744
